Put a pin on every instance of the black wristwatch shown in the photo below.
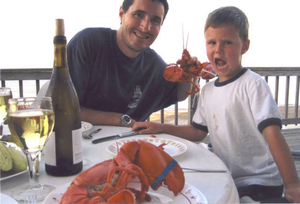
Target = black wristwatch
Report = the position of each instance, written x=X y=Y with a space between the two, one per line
x=126 y=120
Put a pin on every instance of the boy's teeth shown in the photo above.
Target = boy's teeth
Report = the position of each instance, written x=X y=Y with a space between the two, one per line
x=220 y=63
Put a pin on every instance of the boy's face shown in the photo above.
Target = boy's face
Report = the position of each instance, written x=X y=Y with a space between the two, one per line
x=140 y=26
x=224 y=49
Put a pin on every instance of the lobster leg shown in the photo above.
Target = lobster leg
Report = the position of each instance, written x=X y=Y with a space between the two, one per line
x=195 y=85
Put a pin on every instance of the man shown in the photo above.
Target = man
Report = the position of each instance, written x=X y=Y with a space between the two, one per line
x=118 y=78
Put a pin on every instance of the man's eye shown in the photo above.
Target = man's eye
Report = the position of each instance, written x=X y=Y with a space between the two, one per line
x=138 y=15
x=156 y=21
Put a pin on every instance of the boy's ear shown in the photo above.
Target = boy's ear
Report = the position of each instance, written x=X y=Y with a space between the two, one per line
x=246 y=45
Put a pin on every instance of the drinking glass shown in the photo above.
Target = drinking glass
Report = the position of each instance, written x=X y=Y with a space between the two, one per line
x=31 y=121
x=5 y=94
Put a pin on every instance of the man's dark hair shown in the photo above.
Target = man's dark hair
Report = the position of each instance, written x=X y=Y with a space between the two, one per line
x=127 y=3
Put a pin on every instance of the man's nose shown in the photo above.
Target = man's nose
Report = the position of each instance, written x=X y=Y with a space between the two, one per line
x=145 y=25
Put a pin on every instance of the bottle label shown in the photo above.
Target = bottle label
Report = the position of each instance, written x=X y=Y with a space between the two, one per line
x=77 y=145
x=50 y=150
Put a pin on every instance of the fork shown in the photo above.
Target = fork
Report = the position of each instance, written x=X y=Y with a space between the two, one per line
x=90 y=136
x=31 y=199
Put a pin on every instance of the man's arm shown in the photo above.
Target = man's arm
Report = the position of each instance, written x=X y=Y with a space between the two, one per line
x=102 y=118
x=182 y=89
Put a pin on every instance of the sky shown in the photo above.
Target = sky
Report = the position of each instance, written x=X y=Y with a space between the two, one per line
x=27 y=29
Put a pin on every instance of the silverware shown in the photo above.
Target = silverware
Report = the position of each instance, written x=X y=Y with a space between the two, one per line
x=90 y=136
x=125 y=134
x=205 y=170
x=31 y=199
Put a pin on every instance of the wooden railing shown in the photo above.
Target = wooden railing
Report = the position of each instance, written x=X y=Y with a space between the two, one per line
x=276 y=77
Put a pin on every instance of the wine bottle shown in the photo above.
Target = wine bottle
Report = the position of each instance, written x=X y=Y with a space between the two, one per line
x=63 y=151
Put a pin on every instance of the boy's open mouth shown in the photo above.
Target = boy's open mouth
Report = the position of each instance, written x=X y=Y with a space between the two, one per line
x=221 y=64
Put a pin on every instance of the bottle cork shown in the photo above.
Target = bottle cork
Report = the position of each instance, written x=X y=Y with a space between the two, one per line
x=60 y=27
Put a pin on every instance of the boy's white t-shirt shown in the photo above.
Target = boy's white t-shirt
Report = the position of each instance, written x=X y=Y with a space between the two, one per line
x=233 y=111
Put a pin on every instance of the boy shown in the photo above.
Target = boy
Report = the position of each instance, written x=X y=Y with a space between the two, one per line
x=239 y=112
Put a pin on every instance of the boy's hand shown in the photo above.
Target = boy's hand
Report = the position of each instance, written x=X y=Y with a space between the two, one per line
x=147 y=127
x=292 y=192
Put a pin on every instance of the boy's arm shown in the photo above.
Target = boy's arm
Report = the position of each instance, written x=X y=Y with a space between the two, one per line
x=284 y=160
x=184 y=131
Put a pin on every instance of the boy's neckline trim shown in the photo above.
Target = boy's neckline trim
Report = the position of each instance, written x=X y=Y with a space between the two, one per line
x=217 y=83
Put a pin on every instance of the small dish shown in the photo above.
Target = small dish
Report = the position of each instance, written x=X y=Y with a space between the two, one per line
x=85 y=126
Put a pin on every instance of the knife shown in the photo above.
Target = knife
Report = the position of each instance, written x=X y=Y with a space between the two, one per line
x=205 y=170
x=125 y=134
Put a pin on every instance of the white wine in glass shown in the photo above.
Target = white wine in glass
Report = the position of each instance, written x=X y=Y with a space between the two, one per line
x=31 y=121
x=5 y=95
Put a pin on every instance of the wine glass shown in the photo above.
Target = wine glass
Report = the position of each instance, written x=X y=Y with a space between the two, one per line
x=31 y=121
x=5 y=94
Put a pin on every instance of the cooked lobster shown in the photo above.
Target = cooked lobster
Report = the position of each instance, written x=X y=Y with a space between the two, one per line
x=107 y=182
x=186 y=73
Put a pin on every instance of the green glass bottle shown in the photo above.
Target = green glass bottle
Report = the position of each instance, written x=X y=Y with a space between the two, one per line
x=63 y=151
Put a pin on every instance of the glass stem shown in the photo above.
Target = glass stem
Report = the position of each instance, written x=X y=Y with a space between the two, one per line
x=1 y=130
x=31 y=158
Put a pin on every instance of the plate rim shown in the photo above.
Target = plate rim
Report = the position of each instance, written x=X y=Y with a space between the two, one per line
x=8 y=198
x=145 y=137
x=65 y=186
x=14 y=175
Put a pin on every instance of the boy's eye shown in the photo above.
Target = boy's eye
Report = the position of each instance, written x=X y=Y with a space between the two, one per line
x=211 y=42
x=227 y=42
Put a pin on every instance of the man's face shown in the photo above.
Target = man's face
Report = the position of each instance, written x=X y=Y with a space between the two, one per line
x=140 y=26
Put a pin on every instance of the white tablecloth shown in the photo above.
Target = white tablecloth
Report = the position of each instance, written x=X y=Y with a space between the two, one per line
x=216 y=187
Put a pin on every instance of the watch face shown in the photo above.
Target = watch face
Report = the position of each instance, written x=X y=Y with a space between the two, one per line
x=126 y=118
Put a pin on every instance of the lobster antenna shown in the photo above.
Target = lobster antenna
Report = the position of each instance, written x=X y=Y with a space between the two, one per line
x=182 y=37
x=187 y=39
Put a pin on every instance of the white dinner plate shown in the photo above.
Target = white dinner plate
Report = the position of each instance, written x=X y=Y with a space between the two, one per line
x=5 y=199
x=172 y=147
x=189 y=194
x=85 y=126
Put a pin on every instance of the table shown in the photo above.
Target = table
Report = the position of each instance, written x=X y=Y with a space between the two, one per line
x=216 y=187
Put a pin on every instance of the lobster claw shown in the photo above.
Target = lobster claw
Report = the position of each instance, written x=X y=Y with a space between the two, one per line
x=160 y=168
x=172 y=72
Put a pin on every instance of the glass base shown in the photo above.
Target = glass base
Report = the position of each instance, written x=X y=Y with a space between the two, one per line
x=40 y=191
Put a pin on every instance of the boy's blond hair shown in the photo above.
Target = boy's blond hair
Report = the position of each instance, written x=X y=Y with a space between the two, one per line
x=229 y=15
